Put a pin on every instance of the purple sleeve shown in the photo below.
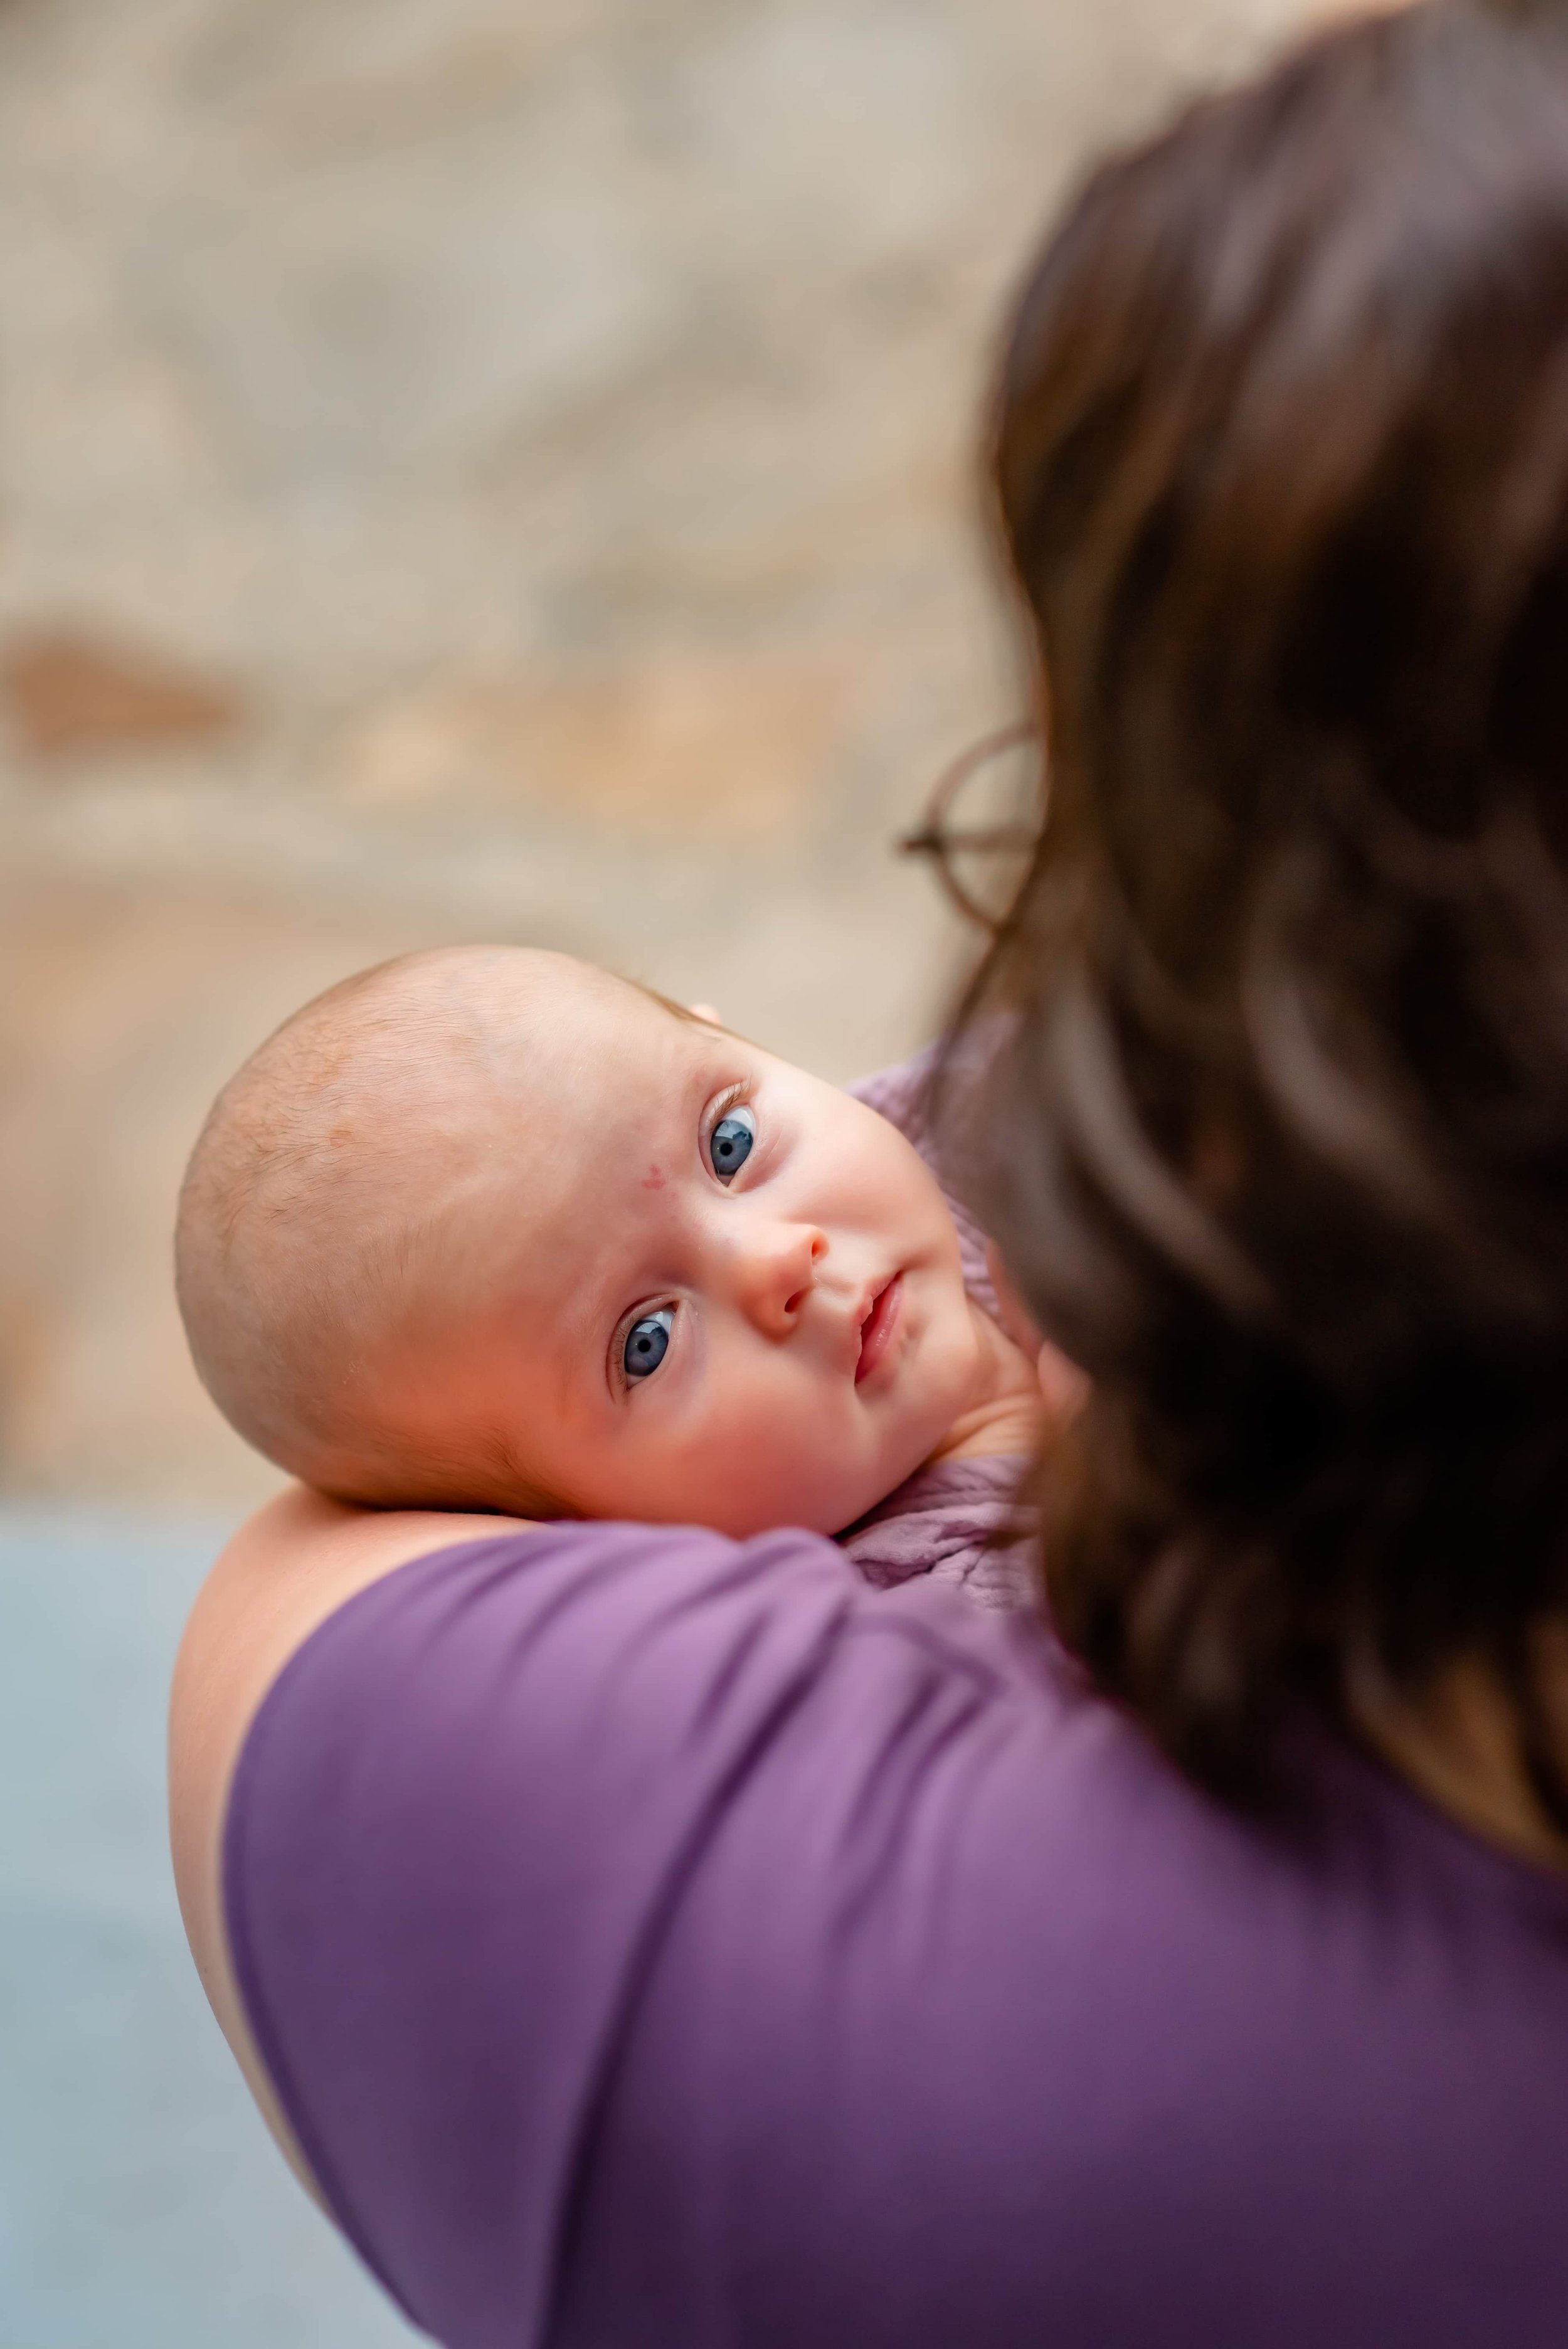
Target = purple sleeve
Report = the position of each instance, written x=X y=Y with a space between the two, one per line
x=655 y=1941
x=487 y=1779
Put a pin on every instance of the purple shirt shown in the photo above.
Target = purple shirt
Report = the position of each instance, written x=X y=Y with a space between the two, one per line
x=659 y=1943
x=962 y=1524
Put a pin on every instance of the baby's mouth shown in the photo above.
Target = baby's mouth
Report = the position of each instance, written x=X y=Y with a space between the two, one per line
x=878 y=1326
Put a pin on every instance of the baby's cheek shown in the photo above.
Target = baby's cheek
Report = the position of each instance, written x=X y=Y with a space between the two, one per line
x=801 y=1466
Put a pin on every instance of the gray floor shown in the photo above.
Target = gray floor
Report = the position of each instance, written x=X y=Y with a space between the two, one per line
x=141 y=2203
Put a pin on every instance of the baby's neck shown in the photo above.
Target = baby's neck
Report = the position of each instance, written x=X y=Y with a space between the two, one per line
x=1004 y=1416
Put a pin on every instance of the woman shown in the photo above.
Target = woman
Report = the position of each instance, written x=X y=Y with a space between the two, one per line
x=640 y=1937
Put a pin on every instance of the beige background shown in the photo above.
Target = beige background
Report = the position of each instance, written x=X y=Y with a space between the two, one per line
x=473 y=470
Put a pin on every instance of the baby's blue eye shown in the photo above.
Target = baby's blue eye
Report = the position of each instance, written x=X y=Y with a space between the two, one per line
x=731 y=1145
x=648 y=1343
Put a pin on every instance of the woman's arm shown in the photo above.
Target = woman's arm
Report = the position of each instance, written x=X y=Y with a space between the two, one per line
x=294 y=1562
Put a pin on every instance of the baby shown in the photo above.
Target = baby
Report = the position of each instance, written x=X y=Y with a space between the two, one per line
x=487 y=1227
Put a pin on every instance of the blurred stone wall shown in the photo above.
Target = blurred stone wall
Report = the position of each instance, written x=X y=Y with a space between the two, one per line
x=477 y=468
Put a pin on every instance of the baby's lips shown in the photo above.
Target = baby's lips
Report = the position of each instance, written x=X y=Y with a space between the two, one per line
x=879 y=1327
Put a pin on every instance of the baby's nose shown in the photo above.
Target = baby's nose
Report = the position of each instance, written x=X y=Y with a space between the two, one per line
x=776 y=1270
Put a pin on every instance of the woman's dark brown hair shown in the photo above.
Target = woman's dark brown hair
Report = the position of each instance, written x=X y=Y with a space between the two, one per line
x=1277 y=1146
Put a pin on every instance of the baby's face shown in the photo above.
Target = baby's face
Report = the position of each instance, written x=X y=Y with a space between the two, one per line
x=685 y=1281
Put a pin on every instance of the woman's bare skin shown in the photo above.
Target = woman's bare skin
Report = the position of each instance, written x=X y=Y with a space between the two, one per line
x=295 y=1563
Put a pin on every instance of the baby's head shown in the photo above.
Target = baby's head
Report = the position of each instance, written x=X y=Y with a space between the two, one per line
x=489 y=1227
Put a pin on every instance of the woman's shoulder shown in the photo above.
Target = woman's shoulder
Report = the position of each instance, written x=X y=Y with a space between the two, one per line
x=587 y=1882
x=285 y=1573
x=341 y=1624
x=462 y=1800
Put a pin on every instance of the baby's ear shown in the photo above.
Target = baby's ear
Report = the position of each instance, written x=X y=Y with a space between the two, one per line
x=705 y=1011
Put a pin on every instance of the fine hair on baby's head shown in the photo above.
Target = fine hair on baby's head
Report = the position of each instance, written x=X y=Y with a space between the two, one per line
x=488 y=1227
x=313 y=1217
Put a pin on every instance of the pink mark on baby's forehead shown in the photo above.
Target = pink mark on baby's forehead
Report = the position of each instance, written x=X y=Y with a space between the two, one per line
x=654 y=1180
